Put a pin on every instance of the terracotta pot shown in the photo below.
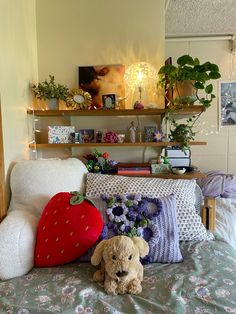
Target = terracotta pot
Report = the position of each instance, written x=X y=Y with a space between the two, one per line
x=185 y=93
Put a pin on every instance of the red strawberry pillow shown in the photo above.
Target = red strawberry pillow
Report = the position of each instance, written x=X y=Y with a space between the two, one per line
x=70 y=224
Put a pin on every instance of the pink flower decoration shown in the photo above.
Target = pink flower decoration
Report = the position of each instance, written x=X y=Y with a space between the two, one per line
x=110 y=137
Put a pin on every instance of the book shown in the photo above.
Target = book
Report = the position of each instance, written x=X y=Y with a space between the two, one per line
x=120 y=171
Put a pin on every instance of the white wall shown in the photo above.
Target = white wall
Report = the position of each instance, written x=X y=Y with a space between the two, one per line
x=91 y=32
x=18 y=64
x=220 y=152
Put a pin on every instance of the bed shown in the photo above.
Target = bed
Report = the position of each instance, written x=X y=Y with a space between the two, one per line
x=204 y=283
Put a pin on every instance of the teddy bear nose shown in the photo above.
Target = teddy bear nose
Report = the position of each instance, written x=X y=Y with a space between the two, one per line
x=121 y=273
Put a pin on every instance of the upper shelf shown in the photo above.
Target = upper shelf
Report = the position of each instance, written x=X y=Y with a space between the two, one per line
x=114 y=112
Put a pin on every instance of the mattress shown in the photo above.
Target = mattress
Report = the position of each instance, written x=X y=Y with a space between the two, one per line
x=205 y=282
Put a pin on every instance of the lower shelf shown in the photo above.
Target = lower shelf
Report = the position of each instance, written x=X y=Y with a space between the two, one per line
x=148 y=144
x=188 y=175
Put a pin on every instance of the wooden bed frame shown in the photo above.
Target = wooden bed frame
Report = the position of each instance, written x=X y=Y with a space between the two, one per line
x=209 y=213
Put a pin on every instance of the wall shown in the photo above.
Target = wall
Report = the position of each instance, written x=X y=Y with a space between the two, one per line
x=90 y=32
x=220 y=152
x=18 y=64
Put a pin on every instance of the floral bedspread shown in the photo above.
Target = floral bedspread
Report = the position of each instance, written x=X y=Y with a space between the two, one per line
x=204 y=283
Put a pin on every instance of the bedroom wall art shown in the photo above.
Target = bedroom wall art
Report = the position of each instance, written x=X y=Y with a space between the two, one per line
x=103 y=80
x=227 y=103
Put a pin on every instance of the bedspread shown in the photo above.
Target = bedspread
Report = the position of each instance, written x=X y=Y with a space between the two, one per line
x=204 y=283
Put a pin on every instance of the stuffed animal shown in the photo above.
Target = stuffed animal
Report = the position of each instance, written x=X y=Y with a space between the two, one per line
x=121 y=270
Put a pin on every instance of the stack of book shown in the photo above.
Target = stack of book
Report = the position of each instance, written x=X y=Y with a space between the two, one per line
x=134 y=168
x=177 y=157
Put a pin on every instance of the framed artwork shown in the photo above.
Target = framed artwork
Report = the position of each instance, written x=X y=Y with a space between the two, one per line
x=103 y=80
x=227 y=103
x=149 y=133
x=86 y=135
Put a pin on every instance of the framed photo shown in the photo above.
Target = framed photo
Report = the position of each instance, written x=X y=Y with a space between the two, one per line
x=227 y=104
x=86 y=135
x=100 y=80
x=149 y=133
x=109 y=101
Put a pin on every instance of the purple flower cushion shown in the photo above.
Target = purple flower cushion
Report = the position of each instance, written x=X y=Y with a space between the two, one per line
x=154 y=219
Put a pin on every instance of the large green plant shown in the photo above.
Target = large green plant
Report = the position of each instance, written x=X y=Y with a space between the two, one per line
x=50 y=89
x=189 y=69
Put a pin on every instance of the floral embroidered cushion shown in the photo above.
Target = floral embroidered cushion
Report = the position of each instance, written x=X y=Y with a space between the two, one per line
x=153 y=219
x=189 y=222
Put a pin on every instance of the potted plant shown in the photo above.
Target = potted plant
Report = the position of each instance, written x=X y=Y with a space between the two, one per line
x=51 y=91
x=189 y=75
x=186 y=83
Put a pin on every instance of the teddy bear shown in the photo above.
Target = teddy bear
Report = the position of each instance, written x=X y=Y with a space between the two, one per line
x=121 y=270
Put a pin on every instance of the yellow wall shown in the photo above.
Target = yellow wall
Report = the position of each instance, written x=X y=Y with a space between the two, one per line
x=95 y=32
x=18 y=64
x=89 y=32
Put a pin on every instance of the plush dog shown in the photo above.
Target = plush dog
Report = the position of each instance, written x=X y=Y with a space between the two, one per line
x=121 y=270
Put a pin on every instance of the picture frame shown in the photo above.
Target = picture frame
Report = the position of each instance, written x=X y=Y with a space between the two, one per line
x=149 y=133
x=109 y=101
x=227 y=103
x=86 y=135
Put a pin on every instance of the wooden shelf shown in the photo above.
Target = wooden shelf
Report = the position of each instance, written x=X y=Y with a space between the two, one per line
x=187 y=175
x=119 y=112
x=143 y=144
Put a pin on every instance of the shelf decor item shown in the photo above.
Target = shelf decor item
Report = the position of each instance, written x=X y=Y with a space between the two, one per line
x=50 y=91
x=149 y=133
x=78 y=99
x=86 y=135
x=100 y=163
x=60 y=134
x=110 y=137
x=140 y=77
x=109 y=101
x=190 y=76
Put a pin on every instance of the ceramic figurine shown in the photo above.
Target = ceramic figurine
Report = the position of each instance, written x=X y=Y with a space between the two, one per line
x=132 y=132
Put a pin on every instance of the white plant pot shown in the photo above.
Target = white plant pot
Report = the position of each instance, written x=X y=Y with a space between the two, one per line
x=53 y=104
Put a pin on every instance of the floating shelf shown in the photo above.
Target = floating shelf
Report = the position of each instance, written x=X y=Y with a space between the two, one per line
x=144 y=144
x=112 y=112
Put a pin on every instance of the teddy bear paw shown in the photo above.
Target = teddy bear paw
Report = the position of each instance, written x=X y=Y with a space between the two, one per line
x=110 y=288
x=134 y=287
x=99 y=276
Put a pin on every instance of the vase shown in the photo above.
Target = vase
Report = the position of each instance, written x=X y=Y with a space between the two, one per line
x=53 y=104
x=185 y=93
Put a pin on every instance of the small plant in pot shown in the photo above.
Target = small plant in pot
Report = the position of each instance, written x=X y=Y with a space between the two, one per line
x=51 y=91
x=191 y=76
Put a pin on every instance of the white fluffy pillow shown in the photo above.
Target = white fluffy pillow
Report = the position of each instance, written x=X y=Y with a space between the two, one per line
x=226 y=219
x=34 y=182
x=17 y=241
x=189 y=222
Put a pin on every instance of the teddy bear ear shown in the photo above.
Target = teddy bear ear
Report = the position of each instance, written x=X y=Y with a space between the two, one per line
x=142 y=245
x=97 y=254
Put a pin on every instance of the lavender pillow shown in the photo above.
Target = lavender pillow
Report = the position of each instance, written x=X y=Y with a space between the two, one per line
x=154 y=219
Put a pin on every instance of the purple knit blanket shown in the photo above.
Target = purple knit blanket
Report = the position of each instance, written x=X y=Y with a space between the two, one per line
x=218 y=184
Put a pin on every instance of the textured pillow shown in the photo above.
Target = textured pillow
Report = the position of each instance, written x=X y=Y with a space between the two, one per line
x=34 y=182
x=68 y=227
x=17 y=240
x=189 y=222
x=154 y=219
